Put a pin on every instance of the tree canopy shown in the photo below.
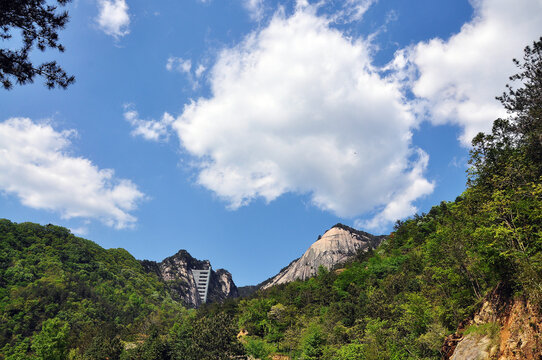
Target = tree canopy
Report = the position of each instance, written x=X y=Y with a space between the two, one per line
x=39 y=23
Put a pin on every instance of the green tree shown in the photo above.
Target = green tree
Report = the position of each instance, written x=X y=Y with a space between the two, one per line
x=104 y=346
x=353 y=351
x=512 y=153
x=525 y=104
x=180 y=343
x=505 y=180
x=258 y=348
x=312 y=344
x=154 y=347
x=51 y=342
x=215 y=338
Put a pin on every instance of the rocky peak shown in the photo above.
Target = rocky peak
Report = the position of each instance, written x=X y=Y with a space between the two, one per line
x=337 y=245
x=177 y=274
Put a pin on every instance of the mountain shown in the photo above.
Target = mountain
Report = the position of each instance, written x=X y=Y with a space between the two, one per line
x=336 y=246
x=179 y=275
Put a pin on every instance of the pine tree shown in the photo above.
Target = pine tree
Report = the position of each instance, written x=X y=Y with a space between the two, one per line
x=39 y=23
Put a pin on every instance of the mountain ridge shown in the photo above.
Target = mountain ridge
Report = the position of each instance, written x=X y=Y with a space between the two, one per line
x=175 y=272
x=338 y=244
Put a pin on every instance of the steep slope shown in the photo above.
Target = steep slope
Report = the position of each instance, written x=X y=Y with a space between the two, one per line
x=505 y=327
x=337 y=245
x=221 y=286
x=176 y=273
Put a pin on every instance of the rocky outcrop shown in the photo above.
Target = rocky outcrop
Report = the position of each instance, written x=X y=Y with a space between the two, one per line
x=176 y=273
x=505 y=328
x=475 y=347
x=338 y=245
x=221 y=286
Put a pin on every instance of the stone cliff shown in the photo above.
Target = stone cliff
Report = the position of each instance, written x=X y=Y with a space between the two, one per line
x=176 y=273
x=337 y=245
x=505 y=328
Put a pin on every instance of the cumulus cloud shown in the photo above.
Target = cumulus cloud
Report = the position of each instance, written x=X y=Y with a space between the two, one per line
x=298 y=107
x=35 y=165
x=154 y=130
x=460 y=77
x=401 y=206
x=113 y=17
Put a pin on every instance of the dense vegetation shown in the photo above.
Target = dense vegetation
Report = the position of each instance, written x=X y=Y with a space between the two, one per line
x=65 y=297
x=60 y=294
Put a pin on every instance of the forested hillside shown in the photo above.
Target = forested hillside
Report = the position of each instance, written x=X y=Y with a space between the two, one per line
x=61 y=294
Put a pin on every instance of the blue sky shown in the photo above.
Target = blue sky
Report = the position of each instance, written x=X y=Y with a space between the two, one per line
x=240 y=130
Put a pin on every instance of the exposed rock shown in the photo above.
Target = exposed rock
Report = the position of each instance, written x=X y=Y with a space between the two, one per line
x=518 y=336
x=176 y=273
x=473 y=347
x=521 y=333
x=336 y=246
x=221 y=286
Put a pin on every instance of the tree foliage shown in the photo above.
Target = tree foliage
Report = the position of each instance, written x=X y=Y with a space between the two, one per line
x=65 y=293
x=39 y=23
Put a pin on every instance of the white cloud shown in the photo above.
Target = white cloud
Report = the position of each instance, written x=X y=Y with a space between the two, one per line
x=184 y=66
x=80 y=231
x=460 y=77
x=36 y=167
x=255 y=9
x=200 y=70
x=113 y=18
x=402 y=206
x=298 y=107
x=179 y=64
x=149 y=129
x=355 y=9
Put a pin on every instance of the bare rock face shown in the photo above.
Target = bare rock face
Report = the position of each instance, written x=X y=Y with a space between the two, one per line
x=518 y=335
x=521 y=332
x=176 y=273
x=474 y=347
x=337 y=245
x=221 y=286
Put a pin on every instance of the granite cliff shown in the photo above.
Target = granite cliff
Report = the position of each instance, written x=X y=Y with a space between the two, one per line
x=338 y=245
x=176 y=273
